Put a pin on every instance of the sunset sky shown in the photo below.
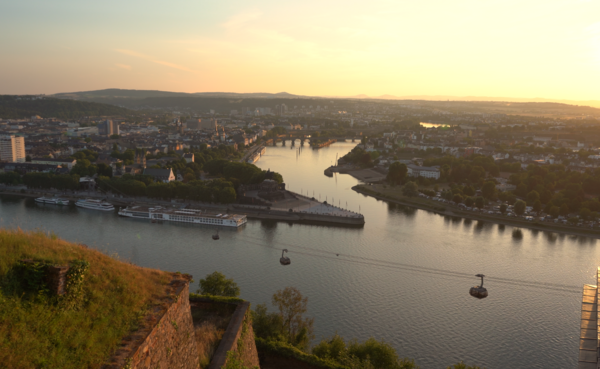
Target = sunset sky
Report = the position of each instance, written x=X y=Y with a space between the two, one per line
x=508 y=48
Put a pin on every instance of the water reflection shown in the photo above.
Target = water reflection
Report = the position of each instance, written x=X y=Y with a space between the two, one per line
x=409 y=212
x=517 y=234
x=481 y=227
x=8 y=199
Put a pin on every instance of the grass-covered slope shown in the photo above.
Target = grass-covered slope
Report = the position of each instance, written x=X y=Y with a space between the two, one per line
x=36 y=331
x=18 y=107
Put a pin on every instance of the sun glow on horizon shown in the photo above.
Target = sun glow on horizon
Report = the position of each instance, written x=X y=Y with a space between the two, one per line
x=465 y=48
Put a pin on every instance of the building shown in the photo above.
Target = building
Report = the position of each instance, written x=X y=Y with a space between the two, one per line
x=160 y=175
x=189 y=157
x=64 y=163
x=24 y=168
x=12 y=149
x=108 y=128
x=427 y=172
x=82 y=131
x=198 y=124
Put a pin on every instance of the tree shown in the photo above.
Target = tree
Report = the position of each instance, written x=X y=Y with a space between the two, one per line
x=532 y=197
x=410 y=189
x=397 y=172
x=537 y=206
x=28 y=159
x=554 y=211
x=585 y=213
x=104 y=170
x=564 y=210
x=488 y=190
x=189 y=177
x=457 y=198
x=379 y=354
x=370 y=354
x=292 y=306
x=217 y=284
x=520 y=207
x=88 y=139
x=503 y=208
x=479 y=202
x=469 y=201
x=266 y=325
x=469 y=191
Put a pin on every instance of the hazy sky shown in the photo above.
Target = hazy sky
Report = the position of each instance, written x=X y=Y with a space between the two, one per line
x=508 y=48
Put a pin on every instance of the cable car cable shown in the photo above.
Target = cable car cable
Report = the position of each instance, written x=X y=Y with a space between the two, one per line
x=421 y=269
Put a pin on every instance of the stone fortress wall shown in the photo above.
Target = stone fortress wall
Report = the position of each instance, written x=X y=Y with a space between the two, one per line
x=167 y=341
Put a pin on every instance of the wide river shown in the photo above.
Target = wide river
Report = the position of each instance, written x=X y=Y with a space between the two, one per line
x=426 y=314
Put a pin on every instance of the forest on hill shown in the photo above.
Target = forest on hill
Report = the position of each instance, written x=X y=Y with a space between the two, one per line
x=18 y=107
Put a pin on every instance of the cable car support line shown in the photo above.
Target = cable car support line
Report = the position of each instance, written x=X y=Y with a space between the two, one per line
x=415 y=268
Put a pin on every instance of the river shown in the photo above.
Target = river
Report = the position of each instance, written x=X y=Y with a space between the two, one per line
x=428 y=316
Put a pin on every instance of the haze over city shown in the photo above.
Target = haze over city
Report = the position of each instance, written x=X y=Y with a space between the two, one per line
x=513 y=49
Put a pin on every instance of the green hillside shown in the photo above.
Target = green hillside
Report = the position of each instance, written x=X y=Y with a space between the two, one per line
x=81 y=329
x=18 y=107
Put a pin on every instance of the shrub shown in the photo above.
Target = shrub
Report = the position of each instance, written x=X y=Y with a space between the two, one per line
x=217 y=284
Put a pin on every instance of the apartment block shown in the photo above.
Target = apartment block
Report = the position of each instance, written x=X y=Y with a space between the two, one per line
x=12 y=149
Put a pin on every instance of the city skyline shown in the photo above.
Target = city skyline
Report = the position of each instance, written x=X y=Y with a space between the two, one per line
x=514 y=49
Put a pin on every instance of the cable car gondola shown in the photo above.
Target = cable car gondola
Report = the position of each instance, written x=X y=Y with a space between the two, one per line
x=216 y=235
x=478 y=291
x=284 y=259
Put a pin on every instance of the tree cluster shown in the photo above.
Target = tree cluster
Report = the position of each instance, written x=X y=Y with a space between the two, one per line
x=360 y=157
x=51 y=181
x=219 y=190
x=10 y=178
x=242 y=173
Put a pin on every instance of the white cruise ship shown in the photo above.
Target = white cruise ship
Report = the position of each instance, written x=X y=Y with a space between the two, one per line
x=95 y=204
x=52 y=200
x=193 y=216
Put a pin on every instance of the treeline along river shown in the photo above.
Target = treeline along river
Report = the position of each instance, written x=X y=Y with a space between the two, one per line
x=404 y=277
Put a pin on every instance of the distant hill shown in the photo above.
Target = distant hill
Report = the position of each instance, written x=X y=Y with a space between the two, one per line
x=18 y=107
x=223 y=102
x=116 y=93
x=222 y=105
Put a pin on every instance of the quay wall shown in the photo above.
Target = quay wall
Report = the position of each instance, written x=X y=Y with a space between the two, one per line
x=300 y=217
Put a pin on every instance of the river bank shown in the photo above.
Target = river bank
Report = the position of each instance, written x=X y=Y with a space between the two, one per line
x=455 y=211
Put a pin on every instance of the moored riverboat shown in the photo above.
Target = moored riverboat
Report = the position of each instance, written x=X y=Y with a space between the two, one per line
x=94 y=204
x=193 y=216
x=52 y=200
